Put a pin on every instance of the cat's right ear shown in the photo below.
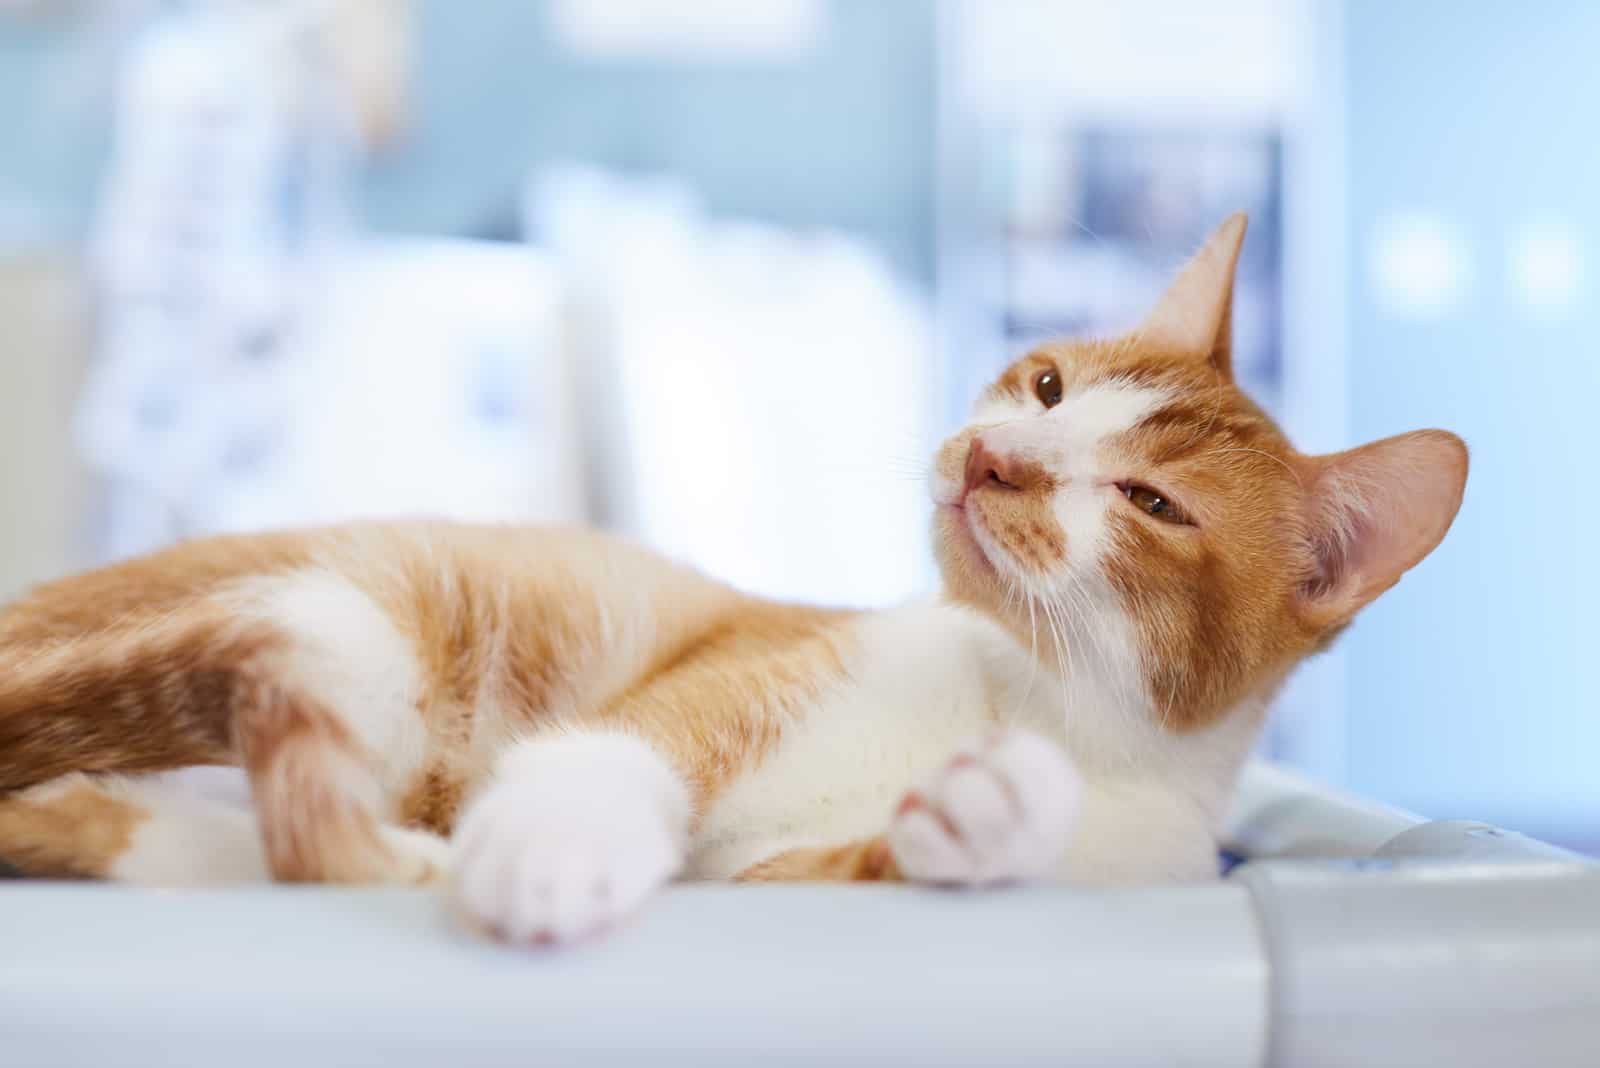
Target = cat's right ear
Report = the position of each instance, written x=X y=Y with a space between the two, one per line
x=1373 y=513
x=1195 y=316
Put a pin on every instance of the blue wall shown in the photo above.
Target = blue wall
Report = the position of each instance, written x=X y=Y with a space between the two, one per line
x=842 y=137
x=51 y=131
x=1472 y=685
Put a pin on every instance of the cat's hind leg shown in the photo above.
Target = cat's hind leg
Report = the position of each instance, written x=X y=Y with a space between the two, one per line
x=328 y=726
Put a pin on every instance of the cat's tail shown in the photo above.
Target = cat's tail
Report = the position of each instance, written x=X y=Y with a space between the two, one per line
x=149 y=697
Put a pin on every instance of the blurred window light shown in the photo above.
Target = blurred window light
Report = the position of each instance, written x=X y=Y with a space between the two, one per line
x=1545 y=267
x=768 y=392
x=1419 y=265
x=688 y=30
x=1227 y=57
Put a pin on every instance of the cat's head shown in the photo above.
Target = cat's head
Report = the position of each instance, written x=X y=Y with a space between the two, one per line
x=1125 y=506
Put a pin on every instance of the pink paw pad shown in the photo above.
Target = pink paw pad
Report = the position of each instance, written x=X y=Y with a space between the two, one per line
x=1000 y=813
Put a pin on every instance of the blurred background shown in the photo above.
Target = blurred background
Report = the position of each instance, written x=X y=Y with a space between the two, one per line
x=719 y=273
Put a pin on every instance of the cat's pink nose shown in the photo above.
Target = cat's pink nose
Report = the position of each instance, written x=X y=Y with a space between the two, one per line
x=988 y=466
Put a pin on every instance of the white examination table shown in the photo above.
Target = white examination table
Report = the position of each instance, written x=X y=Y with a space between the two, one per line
x=1435 y=944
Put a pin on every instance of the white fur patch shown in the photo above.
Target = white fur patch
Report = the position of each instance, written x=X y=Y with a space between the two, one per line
x=575 y=832
x=1142 y=829
x=229 y=785
x=1096 y=412
x=1067 y=438
x=348 y=653
x=1083 y=502
x=1098 y=654
x=187 y=839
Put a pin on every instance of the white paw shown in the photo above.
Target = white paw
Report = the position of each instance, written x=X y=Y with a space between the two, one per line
x=574 y=835
x=1000 y=812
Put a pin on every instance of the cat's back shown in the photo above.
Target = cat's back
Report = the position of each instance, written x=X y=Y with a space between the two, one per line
x=414 y=570
x=529 y=583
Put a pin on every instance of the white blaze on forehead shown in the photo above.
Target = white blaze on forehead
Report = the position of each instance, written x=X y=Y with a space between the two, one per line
x=1067 y=437
x=1088 y=418
x=1099 y=411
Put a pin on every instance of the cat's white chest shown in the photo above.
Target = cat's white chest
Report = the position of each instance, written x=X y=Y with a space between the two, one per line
x=919 y=687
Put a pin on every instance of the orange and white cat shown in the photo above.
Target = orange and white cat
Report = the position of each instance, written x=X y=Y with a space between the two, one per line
x=554 y=723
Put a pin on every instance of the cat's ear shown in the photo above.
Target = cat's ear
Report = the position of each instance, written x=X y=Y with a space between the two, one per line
x=1195 y=316
x=1373 y=513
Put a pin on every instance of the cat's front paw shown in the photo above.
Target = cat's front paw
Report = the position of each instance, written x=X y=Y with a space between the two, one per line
x=999 y=812
x=571 y=841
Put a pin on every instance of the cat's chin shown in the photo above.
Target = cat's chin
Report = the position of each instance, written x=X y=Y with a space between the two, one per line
x=960 y=541
x=970 y=575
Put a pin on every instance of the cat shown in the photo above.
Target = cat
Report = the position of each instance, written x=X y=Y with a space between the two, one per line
x=553 y=723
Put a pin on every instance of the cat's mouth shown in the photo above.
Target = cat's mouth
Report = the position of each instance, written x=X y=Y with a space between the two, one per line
x=962 y=531
x=1005 y=535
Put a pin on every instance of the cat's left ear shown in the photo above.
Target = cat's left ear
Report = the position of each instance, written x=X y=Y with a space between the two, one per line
x=1373 y=513
x=1195 y=316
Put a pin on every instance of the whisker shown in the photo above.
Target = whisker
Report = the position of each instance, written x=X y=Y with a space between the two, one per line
x=1082 y=603
x=1080 y=225
x=1062 y=649
x=1033 y=660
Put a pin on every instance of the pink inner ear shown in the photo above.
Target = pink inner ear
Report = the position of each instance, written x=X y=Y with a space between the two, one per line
x=1380 y=509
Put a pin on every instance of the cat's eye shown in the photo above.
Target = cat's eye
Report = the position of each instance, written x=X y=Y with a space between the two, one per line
x=1153 y=504
x=1047 y=387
